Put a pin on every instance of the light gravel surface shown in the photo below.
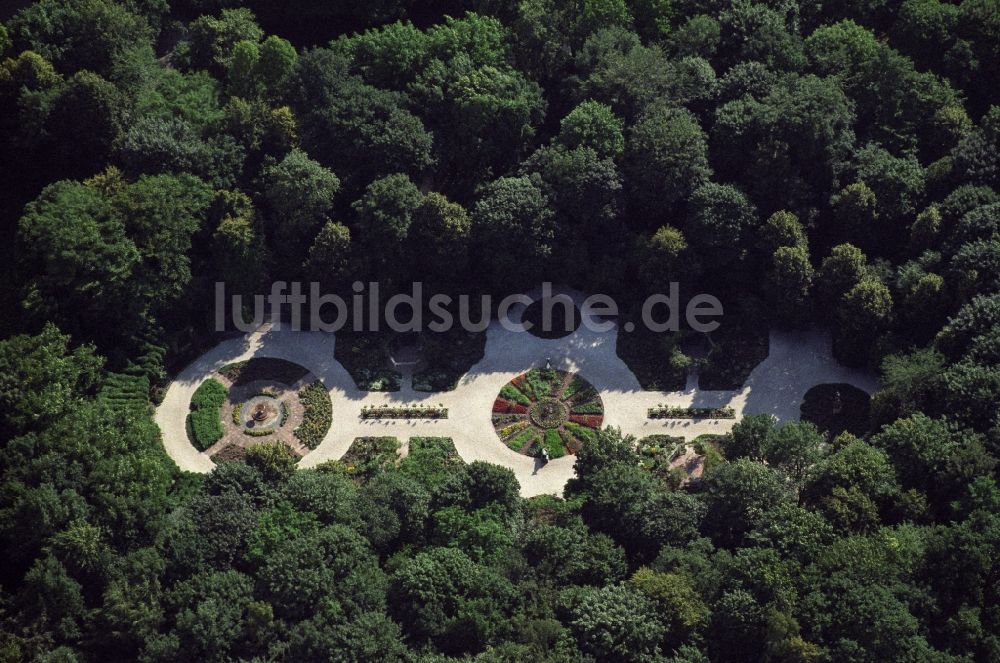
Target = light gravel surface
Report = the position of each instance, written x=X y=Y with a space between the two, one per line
x=796 y=362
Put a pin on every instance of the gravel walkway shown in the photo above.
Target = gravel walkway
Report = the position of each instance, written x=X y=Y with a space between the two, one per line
x=796 y=362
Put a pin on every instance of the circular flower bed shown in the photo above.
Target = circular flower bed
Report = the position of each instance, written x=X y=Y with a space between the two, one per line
x=548 y=413
x=265 y=400
x=547 y=409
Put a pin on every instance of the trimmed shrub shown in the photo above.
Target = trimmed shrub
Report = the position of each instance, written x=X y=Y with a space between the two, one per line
x=403 y=412
x=125 y=391
x=204 y=428
x=211 y=393
x=204 y=424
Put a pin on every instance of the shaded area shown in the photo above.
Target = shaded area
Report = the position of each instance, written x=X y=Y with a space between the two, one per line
x=836 y=408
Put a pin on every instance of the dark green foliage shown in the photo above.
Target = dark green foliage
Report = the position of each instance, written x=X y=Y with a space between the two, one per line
x=368 y=456
x=264 y=368
x=720 y=217
x=345 y=121
x=151 y=149
x=85 y=34
x=513 y=225
x=42 y=379
x=737 y=495
x=204 y=422
x=445 y=597
x=836 y=408
x=655 y=358
x=934 y=457
x=738 y=347
x=120 y=390
x=559 y=324
x=593 y=125
x=365 y=355
x=667 y=158
x=447 y=356
x=212 y=38
x=615 y=623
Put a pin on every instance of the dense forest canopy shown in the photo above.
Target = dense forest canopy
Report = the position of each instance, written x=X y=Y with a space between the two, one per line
x=830 y=164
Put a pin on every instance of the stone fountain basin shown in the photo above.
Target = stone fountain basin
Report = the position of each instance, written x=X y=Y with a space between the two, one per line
x=271 y=405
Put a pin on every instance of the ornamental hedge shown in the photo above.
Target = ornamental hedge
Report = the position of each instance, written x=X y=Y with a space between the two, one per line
x=204 y=423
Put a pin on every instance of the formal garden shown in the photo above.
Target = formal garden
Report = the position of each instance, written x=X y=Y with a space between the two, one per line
x=828 y=171
x=547 y=410
x=260 y=399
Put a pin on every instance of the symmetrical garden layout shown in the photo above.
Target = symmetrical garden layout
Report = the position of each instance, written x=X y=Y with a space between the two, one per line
x=796 y=361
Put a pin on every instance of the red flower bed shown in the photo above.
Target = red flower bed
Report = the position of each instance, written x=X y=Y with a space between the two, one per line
x=503 y=406
x=588 y=420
